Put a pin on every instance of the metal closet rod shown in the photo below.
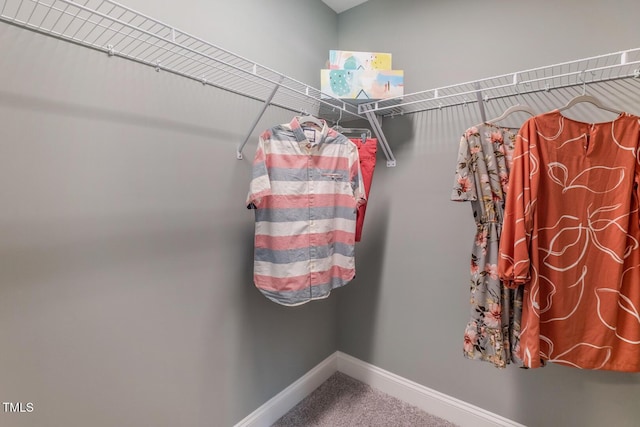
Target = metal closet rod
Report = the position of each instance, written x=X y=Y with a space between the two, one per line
x=434 y=98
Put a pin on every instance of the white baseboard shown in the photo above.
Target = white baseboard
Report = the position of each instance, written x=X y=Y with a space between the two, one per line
x=432 y=401
x=282 y=403
x=429 y=400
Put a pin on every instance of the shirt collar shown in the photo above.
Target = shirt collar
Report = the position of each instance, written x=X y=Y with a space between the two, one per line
x=299 y=132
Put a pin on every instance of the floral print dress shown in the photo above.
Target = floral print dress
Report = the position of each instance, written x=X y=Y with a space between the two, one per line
x=482 y=178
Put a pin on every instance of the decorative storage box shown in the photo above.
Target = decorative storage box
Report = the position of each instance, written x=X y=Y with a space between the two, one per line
x=347 y=60
x=362 y=84
x=361 y=76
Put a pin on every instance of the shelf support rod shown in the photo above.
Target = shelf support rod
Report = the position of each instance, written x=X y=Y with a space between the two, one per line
x=483 y=114
x=377 y=129
x=267 y=102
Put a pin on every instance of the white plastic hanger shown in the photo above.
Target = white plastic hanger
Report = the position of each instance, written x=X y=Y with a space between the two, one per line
x=363 y=133
x=514 y=109
x=308 y=118
x=588 y=98
x=518 y=108
x=352 y=131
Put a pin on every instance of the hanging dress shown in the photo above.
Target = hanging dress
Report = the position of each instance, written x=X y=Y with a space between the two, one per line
x=571 y=237
x=482 y=178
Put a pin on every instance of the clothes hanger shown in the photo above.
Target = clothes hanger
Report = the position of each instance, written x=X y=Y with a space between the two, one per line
x=588 y=98
x=364 y=133
x=359 y=131
x=337 y=125
x=514 y=109
x=518 y=108
x=308 y=118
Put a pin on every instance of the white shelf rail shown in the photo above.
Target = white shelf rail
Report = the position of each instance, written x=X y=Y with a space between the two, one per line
x=611 y=66
x=117 y=30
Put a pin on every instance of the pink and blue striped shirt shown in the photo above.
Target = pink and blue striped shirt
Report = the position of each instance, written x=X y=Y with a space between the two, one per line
x=306 y=188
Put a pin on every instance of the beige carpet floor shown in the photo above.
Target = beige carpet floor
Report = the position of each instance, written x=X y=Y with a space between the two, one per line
x=342 y=401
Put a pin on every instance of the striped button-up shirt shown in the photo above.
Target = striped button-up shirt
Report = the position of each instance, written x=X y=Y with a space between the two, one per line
x=306 y=188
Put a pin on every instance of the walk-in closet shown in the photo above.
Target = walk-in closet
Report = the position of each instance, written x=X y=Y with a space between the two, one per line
x=158 y=266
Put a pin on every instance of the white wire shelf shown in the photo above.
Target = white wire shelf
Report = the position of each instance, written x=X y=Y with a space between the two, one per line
x=120 y=31
x=611 y=66
x=117 y=30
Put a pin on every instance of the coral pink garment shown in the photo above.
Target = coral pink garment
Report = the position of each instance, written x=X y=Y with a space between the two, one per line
x=367 y=154
x=571 y=236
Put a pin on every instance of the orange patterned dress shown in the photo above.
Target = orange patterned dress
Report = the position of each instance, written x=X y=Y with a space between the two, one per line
x=571 y=236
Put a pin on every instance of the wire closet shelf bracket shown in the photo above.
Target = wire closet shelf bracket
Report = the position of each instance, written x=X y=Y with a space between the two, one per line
x=602 y=68
x=117 y=30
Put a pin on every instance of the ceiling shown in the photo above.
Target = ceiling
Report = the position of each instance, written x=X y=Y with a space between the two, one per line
x=342 y=5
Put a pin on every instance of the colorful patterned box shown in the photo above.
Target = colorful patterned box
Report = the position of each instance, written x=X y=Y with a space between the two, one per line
x=348 y=60
x=362 y=84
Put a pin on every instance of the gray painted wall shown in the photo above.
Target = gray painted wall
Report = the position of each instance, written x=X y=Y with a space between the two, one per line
x=407 y=309
x=126 y=253
x=126 y=294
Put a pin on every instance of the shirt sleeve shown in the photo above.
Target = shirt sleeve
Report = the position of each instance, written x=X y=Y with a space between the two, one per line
x=514 y=262
x=464 y=187
x=260 y=185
